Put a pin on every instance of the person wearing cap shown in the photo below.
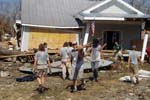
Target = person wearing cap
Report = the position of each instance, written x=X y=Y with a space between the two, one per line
x=133 y=63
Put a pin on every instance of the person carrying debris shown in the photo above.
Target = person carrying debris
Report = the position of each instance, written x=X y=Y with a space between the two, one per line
x=77 y=66
x=133 y=60
x=65 y=59
x=41 y=67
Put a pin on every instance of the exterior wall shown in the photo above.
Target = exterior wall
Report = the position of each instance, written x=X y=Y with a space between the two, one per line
x=54 y=38
x=128 y=32
x=25 y=38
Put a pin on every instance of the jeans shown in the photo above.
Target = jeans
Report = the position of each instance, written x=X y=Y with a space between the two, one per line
x=95 y=65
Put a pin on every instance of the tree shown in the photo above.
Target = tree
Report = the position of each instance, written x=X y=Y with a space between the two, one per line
x=9 y=12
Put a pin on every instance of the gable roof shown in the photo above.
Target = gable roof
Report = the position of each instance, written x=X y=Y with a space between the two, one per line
x=111 y=10
x=53 y=13
x=113 y=2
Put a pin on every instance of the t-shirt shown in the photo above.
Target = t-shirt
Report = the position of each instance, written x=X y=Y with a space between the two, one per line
x=64 y=53
x=95 y=54
x=134 y=55
x=42 y=57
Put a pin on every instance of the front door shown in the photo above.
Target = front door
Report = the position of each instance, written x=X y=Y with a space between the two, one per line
x=110 y=37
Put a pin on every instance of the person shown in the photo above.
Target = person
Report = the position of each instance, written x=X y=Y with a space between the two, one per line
x=118 y=51
x=133 y=59
x=41 y=66
x=45 y=46
x=65 y=60
x=77 y=67
x=96 y=57
x=69 y=51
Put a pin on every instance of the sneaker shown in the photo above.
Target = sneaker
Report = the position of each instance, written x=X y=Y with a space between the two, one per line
x=40 y=89
x=44 y=88
x=74 y=90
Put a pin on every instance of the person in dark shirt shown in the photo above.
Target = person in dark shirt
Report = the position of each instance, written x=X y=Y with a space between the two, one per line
x=118 y=53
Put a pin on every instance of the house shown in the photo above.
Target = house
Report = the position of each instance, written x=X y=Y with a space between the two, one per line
x=57 y=21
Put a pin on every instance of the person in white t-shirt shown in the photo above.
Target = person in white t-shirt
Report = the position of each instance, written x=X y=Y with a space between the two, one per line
x=133 y=62
x=64 y=59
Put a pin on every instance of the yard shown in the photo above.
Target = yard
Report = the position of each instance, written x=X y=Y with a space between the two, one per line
x=108 y=88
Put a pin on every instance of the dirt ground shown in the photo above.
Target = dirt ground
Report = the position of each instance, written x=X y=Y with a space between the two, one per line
x=108 y=88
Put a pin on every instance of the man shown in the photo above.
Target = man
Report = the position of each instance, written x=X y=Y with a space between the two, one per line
x=133 y=63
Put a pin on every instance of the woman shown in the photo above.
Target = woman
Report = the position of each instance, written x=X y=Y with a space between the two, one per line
x=40 y=66
x=95 y=58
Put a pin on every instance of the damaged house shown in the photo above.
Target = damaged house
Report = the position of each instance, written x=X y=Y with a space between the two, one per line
x=58 y=21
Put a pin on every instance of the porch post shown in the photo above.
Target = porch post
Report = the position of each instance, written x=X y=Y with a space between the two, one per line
x=86 y=36
x=144 y=47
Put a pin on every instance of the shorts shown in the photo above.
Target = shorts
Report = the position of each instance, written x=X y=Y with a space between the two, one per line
x=41 y=70
x=134 y=69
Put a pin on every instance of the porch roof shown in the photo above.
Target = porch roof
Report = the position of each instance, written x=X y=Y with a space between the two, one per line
x=110 y=16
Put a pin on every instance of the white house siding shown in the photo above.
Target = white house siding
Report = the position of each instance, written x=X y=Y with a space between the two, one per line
x=128 y=32
x=25 y=38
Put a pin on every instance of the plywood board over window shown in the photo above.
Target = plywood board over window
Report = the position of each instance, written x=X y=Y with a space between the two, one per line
x=55 y=39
